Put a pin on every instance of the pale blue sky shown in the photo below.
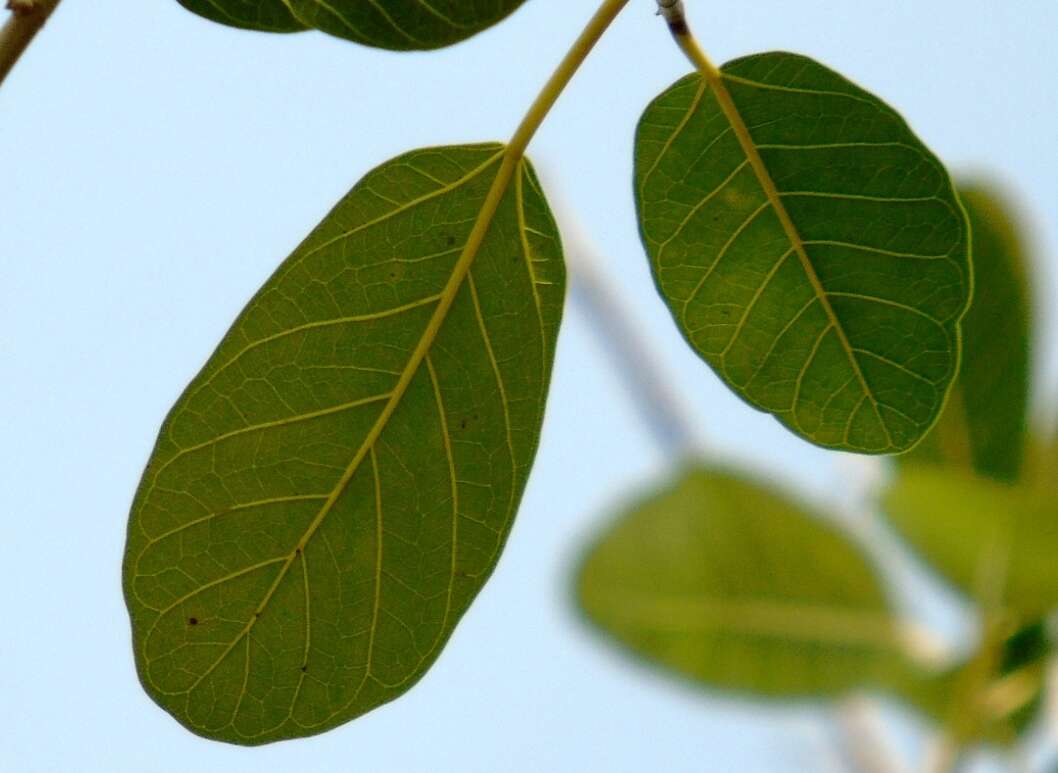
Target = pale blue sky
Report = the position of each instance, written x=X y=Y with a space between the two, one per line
x=154 y=169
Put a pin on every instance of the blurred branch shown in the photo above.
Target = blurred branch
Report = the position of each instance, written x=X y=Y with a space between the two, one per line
x=613 y=321
x=922 y=646
x=665 y=413
x=861 y=740
x=610 y=317
x=27 y=17
x=968 y=707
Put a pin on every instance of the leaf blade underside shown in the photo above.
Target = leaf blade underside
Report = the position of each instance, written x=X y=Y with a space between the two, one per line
x=263 y=15
x=727 y=583
x=399 y=25
x=812 y=250
x=333 y=489
x=983 y=428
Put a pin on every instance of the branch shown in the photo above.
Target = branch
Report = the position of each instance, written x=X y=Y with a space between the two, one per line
x=659 y=405
x=27 y=17
x=861 y=741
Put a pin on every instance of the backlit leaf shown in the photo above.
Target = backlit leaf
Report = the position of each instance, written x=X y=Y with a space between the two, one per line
x=401 y=25
x=333 y=489
x=266 y=15
x=983 y=426
x=731 y=585
x=973 y=531
x=810 y=248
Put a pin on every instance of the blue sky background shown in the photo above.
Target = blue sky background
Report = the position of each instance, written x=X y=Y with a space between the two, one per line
x=154 y=169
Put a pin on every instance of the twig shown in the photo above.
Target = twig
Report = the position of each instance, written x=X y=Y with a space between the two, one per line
x=861 y=741
x=27 y=17
x=966 y=714
x=605 y=309
x=660 y=406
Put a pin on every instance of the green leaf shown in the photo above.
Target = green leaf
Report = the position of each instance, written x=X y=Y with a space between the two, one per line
x=1007 y=708
x=1027 y=645
x=265 y=15
x=1041 y=460
x=401 y=25
x=983 y=426
x=730 y=584
x=998 y=708
x=1019 y=688
x=810 y=248
x=973 y=530
x=333 y=489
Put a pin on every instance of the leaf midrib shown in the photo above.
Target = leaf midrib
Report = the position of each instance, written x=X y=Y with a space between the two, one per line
x=504 y=173
x=714 y=78
x=371 y=40
x=775 y=619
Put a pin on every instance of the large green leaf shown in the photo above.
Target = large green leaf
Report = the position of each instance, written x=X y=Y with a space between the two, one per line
x=266 y=15
x=730 y=584
x=401 y=25
x=973 y=530
x=810 y=247
x=333 y=489
x=983 y=426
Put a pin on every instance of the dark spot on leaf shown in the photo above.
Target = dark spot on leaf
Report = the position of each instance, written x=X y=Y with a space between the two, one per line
x=463 y=424
x=450 y=240
x=392 y=274
x=304 y=669
x=192 y=621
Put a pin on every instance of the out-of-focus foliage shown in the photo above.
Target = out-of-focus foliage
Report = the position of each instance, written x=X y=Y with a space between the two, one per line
x=962 y=498
x=993 y=696
x=983 y=426
x=972 y=530
x=723 y=581
x=736 y=586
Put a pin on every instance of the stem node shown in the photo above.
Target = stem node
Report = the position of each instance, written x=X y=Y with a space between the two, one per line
x=672 y=10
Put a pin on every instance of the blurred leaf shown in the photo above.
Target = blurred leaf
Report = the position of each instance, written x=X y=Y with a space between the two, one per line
x=1004 y=706
x=333 y=489
x=1041 y=462
x=1029 y=644
x=983 y=426
x=970 y=528
x=401 y=25
x=1017 y=693
x=730 y=584
x=810 y=247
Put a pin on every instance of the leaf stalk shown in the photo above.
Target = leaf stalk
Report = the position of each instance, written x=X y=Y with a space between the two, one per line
x=558 y=81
